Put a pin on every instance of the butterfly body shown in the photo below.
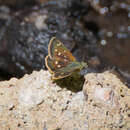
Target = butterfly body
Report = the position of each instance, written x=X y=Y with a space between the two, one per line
x=60 y=61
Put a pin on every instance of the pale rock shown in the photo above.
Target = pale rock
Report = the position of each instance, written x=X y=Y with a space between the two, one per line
x=35 y=102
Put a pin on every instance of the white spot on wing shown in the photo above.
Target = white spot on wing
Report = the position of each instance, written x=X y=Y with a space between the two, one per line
x=59 y=66
x=56 y=62
x=59 y=54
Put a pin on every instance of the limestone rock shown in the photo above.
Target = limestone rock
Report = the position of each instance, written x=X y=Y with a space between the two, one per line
x=109 y=97
x=35 y=102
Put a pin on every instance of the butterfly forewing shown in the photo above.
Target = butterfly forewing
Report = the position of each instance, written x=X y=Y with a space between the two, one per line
x=58 y=51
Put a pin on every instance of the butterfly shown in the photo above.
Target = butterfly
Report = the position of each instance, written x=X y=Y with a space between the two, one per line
x=60 y=61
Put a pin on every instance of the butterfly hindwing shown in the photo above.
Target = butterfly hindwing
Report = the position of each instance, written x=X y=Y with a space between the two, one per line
x=49 y=64
x=57 y=73
x=67 y=70
x=53 y=65
x=61 y=72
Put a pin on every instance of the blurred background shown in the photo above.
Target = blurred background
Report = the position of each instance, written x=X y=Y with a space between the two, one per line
x=96 y=31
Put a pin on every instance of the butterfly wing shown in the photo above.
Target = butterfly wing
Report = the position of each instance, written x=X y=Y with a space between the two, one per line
x=67 y=70
x=61 y=72
x=60 y=61
x=58 y=51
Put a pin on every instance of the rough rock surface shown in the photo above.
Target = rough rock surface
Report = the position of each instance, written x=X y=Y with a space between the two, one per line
x=109 y=99
x=34 y=102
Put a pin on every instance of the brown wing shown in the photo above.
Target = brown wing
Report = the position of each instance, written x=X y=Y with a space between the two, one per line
x=59 y=60
x=53 y=69
x=59 y=70
x=59 y=52
x=53 y=65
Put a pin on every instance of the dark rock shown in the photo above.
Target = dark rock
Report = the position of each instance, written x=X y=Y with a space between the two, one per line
x=17 y=3
x=112 y=28
x=88 y=28
x=25 y=36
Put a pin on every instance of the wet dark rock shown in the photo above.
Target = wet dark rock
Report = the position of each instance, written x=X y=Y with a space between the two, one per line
x=26 y=34
x=90 y=29
x=113 y=32
x=17 y=3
